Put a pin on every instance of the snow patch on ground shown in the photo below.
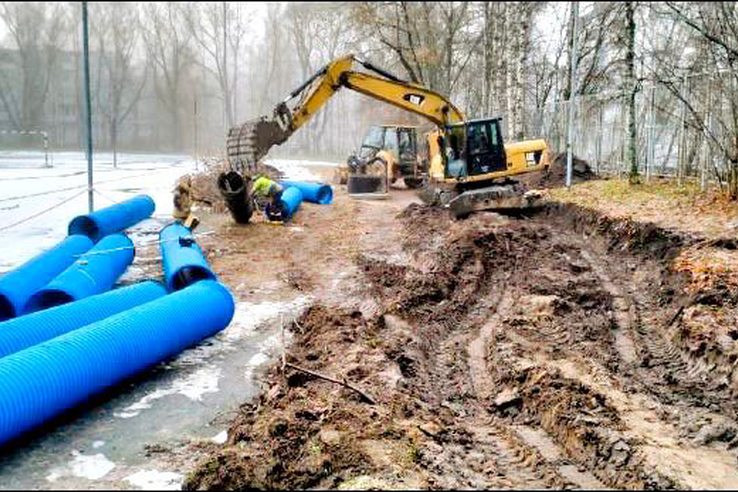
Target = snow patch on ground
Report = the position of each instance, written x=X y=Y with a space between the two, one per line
x=221 y=438
x=27 y=189
x=193 y=386
x=249 y=316
x=294 y=169
x=155 y=480
x=92 y=467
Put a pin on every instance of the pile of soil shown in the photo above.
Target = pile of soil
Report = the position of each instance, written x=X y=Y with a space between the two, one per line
x=555 y=177
x=303 y=432
x=205 y=183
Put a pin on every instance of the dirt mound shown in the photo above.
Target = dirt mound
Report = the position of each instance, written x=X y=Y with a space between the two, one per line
x=555 y=177
x=281 y=441
x=460 y=260
x=205 y=183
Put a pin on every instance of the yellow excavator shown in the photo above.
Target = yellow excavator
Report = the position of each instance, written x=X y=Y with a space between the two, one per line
x=469 y=167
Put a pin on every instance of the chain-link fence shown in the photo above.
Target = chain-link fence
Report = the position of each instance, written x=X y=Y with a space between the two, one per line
x=685 y=129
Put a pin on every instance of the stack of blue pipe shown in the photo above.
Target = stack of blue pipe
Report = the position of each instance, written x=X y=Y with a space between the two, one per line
x=296 y=191
x=80 y=337
x=312 y=192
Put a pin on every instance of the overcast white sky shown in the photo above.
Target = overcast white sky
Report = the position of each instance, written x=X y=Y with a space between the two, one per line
x=547 y=27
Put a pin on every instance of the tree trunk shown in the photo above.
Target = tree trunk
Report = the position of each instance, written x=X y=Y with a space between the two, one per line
x=500 y=48
x=489 y=37
x=631 y=89
x=522 y=58
x=513 y=45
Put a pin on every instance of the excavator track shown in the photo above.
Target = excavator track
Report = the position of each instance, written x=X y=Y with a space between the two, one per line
x=508 y=197
x=495 y=198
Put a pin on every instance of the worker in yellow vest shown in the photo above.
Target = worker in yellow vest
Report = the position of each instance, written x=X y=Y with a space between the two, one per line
x=265 y=188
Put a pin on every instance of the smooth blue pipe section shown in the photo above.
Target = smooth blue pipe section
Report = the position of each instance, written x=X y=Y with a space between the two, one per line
x=26 y=331
x=41 y=382
x=18 y=285
x=93 y=273
x=115 y=218
x=181 y=257
x=312 y=192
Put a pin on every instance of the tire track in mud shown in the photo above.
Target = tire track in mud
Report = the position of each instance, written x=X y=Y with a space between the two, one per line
x=663 y=370
x=659 y=440
x=623 y=311
x=555 y=370
x=500 y=458
x=523 y=445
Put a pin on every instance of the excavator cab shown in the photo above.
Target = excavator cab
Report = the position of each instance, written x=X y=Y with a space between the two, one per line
x=474 y=148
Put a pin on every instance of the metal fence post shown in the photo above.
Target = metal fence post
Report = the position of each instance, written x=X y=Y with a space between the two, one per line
x=650 y=151
x=46 y=149
x=681 y=141
x=573 y=91
x=88 y=106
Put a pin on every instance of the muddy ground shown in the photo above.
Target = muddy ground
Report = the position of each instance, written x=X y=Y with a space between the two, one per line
x=563 y=349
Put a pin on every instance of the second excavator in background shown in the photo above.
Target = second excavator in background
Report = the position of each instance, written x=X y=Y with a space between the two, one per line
x=468 y=167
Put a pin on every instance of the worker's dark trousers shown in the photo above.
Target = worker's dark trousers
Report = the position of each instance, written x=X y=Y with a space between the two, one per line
x=276 y=205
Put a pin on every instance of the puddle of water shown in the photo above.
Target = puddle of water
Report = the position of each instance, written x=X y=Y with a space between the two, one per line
x=193 y=386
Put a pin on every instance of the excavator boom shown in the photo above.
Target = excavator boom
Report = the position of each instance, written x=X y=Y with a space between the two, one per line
x=251 y=141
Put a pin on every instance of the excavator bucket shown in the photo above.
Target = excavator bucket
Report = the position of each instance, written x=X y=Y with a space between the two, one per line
x=249 y=143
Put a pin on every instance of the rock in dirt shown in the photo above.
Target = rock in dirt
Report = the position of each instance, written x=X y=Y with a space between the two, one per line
x=506 y=398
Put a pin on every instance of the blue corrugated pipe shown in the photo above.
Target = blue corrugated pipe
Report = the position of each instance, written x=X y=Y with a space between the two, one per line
x=40 y=382
x=291 y=200
x=312 y=192
x=17 y=286
x=26 y=331
x=115 y=218
x=93 y=273
x=181 y=257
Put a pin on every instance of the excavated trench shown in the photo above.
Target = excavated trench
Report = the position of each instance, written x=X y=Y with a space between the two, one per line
x=558 y=350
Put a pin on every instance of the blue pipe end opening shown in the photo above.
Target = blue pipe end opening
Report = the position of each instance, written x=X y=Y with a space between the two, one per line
x=19 y=284
x=182 y=259
x=115 y=218
x=7 y=310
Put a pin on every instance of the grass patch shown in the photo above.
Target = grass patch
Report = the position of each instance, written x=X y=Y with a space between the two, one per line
x=662 y=202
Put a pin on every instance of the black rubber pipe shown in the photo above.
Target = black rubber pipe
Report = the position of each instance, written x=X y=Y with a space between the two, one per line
x=234 y=190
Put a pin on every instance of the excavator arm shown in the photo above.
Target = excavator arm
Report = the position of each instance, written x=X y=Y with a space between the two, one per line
x=250 y=142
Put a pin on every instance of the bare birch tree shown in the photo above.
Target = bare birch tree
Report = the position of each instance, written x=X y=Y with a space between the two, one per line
x=219 y=30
